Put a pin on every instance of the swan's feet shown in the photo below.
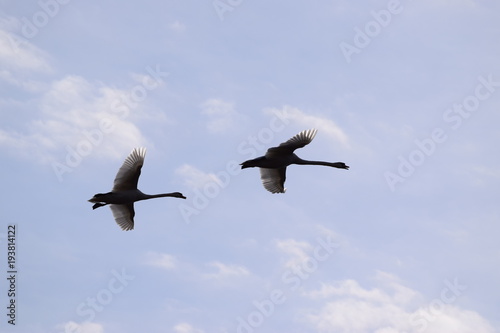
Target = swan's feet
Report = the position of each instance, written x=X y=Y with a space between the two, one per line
x=97 y=205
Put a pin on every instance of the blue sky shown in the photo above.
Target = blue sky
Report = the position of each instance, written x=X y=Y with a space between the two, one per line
x=406 y=93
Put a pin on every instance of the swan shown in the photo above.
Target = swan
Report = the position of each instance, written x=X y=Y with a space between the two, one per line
x=273 y=164
x=124 y=193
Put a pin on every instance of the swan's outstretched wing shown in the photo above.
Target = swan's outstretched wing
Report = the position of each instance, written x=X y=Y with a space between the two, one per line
x=124 y=215
x=273 y=179
x=128 y=175
x=288 y=147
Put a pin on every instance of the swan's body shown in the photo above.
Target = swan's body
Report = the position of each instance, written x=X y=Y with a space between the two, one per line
x=124 y=193
x=273 y=164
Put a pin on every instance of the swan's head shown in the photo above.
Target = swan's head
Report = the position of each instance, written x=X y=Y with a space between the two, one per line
x=178 y=195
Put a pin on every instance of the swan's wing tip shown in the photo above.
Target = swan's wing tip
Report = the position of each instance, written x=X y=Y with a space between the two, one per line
x=128 y=174
x=140 y=150
x=297 y=141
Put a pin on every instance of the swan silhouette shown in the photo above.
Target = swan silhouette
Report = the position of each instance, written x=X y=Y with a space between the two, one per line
x=273 y=164
x=124 y=193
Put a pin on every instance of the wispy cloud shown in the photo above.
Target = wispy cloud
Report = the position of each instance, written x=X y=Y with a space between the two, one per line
x=19 y=55
x=220 y=115
x=351 y=288
x=195 y=178
x=186 y=328
x=224 y=271
x=161 y=260
x=22 y=62
x=85 y=327
x=213 y=270
x=177 y=26
x=308 y=120
x=297 y=251
x=483 y=175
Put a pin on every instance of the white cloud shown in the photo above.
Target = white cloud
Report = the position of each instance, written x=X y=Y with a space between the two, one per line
x=296 y=251
x=73 y=115
x=9 y=23
x=85 y=327
x=349 y=288
x=216 y=269
x=78 y=115
x=221 y=115
x=20 y=56
x=322 y=124
x=21 y=61
x=390 y=307
x=186 y=328
x=177 y=26
x=481 y=176
x=19 y=81
x=13 y=139
x=194 y=177
x=224 y=271
x=161 y=260
x=399 y=293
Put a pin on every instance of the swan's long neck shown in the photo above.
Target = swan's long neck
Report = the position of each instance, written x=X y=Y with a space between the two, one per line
x=161 y=195
x=330 y=164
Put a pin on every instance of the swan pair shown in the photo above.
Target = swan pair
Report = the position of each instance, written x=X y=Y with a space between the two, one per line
x=272 y=173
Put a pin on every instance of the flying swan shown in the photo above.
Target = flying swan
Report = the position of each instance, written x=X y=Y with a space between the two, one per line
x=124 y=193
x=273 y=164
